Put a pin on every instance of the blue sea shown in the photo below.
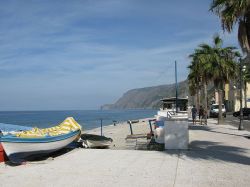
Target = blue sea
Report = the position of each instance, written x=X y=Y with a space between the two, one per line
x=88 y=119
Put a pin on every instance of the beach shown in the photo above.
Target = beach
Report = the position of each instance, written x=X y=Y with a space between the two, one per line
x=120 y=131
x=218 y=155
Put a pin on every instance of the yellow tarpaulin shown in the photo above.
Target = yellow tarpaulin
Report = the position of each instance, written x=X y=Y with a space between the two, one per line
x=68 y=125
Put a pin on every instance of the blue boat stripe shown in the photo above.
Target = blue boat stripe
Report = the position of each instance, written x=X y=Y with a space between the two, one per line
x=38 y=140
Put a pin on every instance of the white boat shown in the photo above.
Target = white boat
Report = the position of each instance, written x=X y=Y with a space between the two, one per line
x=96 y=141
x=169 y=109
x=20 y=145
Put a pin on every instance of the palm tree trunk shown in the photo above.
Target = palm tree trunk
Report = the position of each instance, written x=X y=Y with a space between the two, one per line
x=220 y=119
x=195 y=99
x=245 y=94
x=205 y=103
x=198 y=98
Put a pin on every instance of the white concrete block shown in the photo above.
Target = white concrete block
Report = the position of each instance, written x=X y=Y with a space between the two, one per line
x=176 y=134
x=159 y=134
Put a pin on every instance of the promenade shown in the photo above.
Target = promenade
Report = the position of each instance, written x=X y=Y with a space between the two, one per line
x=219 y=155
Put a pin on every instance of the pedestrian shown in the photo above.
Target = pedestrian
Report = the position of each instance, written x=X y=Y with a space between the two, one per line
x=194 y=113
x=201 y=114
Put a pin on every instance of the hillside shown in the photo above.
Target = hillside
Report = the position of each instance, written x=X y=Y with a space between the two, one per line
x=148 y=97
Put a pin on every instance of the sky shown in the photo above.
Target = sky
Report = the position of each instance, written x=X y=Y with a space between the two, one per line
x=81 y=54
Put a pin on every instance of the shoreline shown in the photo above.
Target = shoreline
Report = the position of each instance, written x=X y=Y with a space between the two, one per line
x=117 y=132
x=88 y=119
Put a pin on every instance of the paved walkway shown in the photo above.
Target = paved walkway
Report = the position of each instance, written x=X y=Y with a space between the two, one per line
x=219 y=155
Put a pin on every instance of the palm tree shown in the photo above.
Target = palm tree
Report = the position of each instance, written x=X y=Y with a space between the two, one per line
x=232 y=12
x=193 y=85
x=217 y=65
x=194 y=80
x=222 y=67
x=200 y=59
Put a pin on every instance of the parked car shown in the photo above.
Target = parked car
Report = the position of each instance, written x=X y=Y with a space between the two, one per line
x=246 y=113
x=214 y=110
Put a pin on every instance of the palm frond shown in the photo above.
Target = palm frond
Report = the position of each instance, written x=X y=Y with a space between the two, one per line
x=242 y=36
x=232 y=12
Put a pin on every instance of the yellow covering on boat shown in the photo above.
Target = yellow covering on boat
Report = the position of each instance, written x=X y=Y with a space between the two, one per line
x=68 y=125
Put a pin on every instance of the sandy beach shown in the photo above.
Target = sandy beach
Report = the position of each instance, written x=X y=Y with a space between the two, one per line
x=120 y=131
x=217 y=156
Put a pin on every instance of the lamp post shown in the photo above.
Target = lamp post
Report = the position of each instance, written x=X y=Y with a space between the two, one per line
x=241 y=111
x=176 y=89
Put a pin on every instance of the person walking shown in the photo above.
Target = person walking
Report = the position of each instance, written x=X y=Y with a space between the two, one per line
x=194 y=113
x=201 y=114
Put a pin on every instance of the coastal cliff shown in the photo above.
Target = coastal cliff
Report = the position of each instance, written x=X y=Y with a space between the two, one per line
x=148 y=97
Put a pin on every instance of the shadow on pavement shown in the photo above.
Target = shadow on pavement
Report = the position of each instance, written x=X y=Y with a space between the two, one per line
x=215 y=151
x=207 y=128
x=210 y=150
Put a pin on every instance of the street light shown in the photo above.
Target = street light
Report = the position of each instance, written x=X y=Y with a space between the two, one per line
x=241 y=111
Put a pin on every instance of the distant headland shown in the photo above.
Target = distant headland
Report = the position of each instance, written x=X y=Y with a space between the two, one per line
x=148 y=97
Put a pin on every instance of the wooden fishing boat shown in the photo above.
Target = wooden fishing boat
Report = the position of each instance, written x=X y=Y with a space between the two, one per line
x=19 y=145
x=96 y=141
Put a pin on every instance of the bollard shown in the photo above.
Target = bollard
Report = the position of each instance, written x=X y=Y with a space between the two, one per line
x=101 y=127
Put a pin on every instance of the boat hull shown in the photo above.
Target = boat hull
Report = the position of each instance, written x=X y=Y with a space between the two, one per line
x=93 y=144
x=93 y=140
x=19 y=149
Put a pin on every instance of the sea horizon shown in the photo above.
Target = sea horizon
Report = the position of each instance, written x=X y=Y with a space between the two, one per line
x=44 y=110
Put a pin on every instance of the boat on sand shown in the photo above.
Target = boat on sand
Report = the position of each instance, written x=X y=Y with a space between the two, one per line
x=96 y=141
x=19 y=145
